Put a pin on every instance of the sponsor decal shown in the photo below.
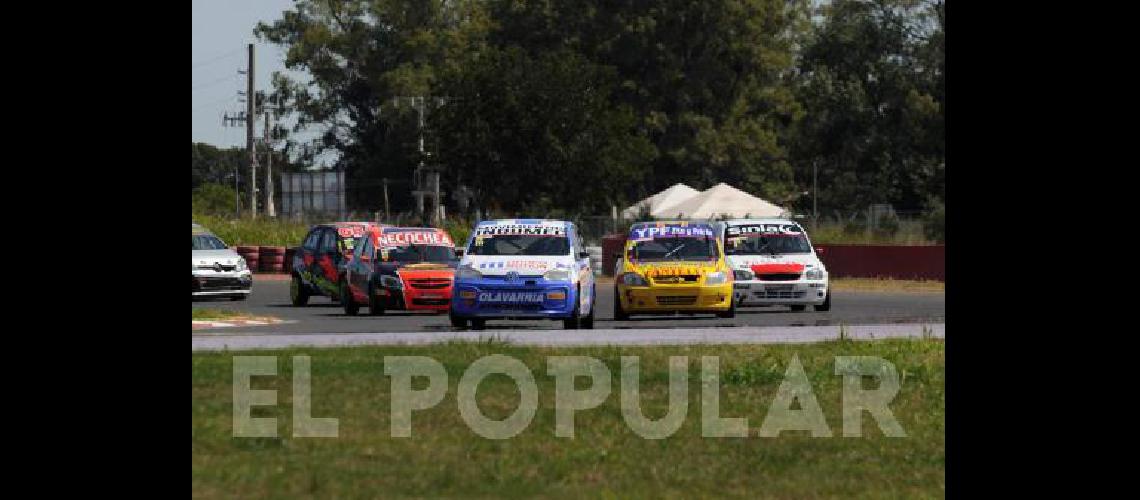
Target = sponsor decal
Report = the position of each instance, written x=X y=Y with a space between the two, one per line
x=763 y=230
x=405 y=238
x=671 y=231
x=350 y=232
x=777 y=268
x=520 y=229
x=426 y=266
x=511 y=297
x=654 y=272
x=537 y=265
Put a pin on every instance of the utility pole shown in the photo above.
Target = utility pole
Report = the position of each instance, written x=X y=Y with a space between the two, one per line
x=237 y=195
x=420 y=169
x=386 y=200
x=251 y=149
x=435 y=214
x=234 y=121
x=269 y=209
x=814 y=194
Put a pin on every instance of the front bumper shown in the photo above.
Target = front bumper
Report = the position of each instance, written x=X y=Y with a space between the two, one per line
x=414 y=299
x=208 y=283
x=675 y=298
x=799 y=292
x=496 y=298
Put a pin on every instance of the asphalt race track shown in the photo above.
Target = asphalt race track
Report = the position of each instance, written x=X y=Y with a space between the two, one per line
x=321 y=315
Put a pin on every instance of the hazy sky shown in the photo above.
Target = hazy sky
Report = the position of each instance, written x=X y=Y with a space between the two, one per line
x=220 y=30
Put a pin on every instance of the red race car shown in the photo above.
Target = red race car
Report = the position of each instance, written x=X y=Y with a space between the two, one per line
x=408 y=268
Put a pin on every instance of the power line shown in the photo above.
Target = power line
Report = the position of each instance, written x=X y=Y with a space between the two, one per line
x=219 y=58
x=213 y=82
x=200 y=106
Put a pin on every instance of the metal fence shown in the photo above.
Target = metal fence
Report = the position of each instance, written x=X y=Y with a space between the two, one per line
x=312 y=194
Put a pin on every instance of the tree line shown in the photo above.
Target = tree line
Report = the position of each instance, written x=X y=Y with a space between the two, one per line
x=553 y=106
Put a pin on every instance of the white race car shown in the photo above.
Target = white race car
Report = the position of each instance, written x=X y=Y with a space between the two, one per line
x=774 y=263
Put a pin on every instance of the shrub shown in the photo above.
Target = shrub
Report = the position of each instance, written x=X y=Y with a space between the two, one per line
x=214 y=199
x=934 y=223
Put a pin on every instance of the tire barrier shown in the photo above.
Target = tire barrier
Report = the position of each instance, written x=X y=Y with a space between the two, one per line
x=250 y=254
x=287 y=266
x=271 y=259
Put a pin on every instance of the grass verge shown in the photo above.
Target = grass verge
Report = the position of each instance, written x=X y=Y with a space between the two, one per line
x=204 y=314
x=444 y=458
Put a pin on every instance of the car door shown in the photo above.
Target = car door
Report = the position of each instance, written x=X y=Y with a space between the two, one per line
x=362 y=263
x=585 y=274
x=306 y=255
x=325 y=263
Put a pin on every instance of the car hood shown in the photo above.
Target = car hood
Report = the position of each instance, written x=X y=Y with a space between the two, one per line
x=210 y=257
x=675 y=268
x=533 y=265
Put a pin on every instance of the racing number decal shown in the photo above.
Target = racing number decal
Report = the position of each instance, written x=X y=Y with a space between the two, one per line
x=350 y=232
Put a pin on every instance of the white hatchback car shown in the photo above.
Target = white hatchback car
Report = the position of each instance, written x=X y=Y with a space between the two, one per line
x=215 y=269
x=774 y=263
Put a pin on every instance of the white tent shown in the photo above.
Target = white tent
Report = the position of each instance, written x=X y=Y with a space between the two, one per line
x=717 y=200
x=671 y=196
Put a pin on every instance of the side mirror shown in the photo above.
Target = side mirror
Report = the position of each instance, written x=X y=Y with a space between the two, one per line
x=459 y=252
x=583 y=255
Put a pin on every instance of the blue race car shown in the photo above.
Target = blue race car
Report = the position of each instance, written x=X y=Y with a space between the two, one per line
x=523 y=269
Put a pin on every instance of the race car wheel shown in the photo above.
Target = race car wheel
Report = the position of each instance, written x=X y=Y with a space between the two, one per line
x=456 y=321
x=478 y=324
x=619 y=313
x=346 y=300
x=588 y=322
x=375 y=305
x=798 y=307
x=826 y=305
x=731 y=312
x=573 y=321
x=298 y=294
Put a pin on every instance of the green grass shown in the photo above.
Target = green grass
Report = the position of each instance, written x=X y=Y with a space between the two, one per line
x=443 y=458
x=260 y=231
x=909 y=233
x=264 y=231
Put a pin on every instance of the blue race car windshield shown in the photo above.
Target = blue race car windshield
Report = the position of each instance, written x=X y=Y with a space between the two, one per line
x=517 y=244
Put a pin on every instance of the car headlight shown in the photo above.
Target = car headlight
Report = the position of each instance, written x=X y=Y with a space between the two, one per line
x=814 y=273
x=241 y=265
x=715 y=278
x=468 y=273
x=633 y=279
x=742 y=275
x=556 y=275
x=391 y=282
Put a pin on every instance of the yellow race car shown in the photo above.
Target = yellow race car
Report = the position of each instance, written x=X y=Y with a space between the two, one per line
x=670 y=267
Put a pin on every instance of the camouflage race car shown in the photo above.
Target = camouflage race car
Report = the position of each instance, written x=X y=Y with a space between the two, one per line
x=319 y=263
x=404 y=268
